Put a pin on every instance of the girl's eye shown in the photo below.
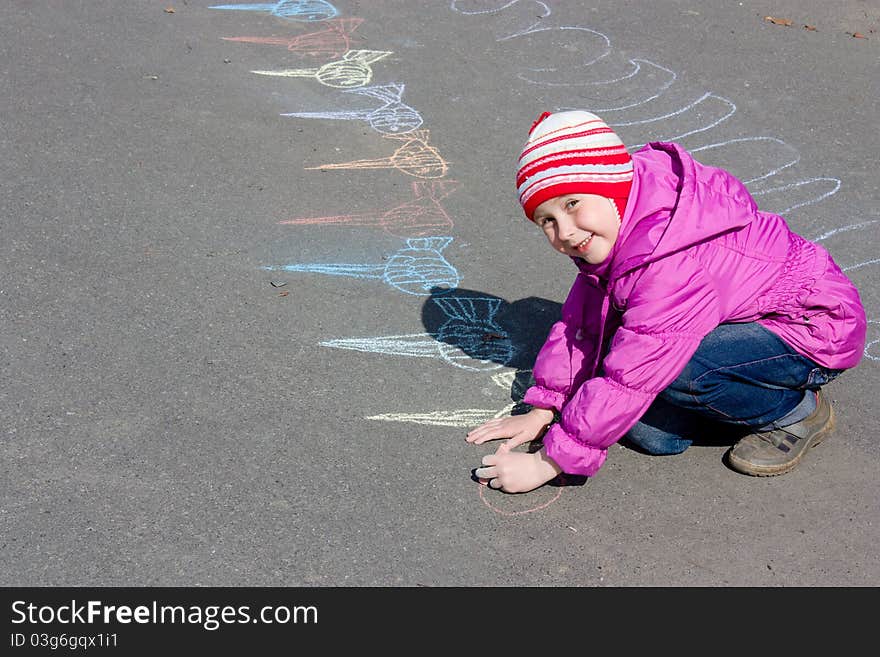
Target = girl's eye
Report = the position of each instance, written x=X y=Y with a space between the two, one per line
x=545 y=221
x=570 y=203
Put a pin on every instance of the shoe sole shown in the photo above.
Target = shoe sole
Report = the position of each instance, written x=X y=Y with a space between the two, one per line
x=747 y=468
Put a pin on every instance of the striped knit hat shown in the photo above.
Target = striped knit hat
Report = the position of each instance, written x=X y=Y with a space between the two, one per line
x=572 y=152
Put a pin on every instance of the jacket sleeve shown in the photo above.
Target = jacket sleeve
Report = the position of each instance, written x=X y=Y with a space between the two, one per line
x=570 y=346
x=671 y=307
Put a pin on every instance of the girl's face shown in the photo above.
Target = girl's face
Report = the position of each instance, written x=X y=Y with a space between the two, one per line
x=580 y=225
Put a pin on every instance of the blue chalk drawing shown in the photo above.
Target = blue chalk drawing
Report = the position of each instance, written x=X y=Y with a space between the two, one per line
x=393 y=117
x=415 y=269
x=471 y=329
x=469 y=339
x=295 y=10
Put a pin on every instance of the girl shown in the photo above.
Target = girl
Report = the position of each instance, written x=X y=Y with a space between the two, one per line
x=691 y=305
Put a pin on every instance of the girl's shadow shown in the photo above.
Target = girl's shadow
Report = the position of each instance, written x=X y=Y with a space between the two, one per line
x=492 y=330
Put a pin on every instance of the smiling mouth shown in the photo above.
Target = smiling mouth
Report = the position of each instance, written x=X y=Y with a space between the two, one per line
x=582 y=246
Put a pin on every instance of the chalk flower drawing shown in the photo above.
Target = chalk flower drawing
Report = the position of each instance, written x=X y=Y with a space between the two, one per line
x=331 y=42
x=420 y=217
x=393 y=117
x=295 y=10
x=469 y=338
x=419 y=268
x=463 y=418
x=353 y=70
x=415 y=158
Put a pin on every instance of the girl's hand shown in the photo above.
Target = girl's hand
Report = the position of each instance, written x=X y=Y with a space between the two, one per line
x=517 y=472
x=518 y=428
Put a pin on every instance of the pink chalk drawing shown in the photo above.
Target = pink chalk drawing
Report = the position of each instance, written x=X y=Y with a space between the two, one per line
x=415 y=158
x=331 y=42
x=423 y=216
x=493 y=505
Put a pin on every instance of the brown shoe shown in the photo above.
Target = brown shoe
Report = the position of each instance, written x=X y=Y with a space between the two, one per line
x=775 y=452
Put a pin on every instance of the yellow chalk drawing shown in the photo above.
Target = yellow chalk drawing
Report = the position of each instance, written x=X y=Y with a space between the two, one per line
x=464 y=418
x=415 y=158
x=353 y=70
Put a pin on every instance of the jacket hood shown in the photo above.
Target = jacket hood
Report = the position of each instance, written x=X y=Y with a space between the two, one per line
x=667 y=211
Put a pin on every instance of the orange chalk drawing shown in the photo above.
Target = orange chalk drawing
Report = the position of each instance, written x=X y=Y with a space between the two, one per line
x=353 y=70
x=423 y=216
x=493 y=505
x=415 y=158
x=331 y=42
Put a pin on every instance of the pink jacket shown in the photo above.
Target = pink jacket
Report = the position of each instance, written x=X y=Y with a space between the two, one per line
x=693 y=252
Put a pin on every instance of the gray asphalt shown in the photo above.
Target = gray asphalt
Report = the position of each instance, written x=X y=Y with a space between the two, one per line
x=178 y=409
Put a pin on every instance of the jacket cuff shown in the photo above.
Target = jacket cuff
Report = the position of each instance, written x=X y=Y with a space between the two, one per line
x=544 y=398
x=572 y=456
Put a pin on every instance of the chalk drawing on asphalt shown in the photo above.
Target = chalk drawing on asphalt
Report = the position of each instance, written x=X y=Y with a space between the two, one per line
x=392 y=117
x=861 y=264
x=469 y=339
x=844 y=229
x=415 y=157
x=709 y=109
x=295 y=10
x=798 y=194
x=462 y=418
x=352 y=70
x=870 y=343
x=417 y=269
x=331 y=42
x=421 y=216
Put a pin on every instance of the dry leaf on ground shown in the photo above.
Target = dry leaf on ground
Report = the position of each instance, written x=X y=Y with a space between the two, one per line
x=778 y=21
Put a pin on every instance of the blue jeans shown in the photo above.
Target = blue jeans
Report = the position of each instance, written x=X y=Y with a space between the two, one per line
x=741 y=375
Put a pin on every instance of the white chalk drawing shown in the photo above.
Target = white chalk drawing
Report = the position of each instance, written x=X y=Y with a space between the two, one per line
x=861 y=264
x=420 y=217
x=870 y=343
x=333 y=41
x=393 y=117
x=295 y=10
x=798 y=194
x=844 y=229
x=419 y=268
x=352 y=70
x=469 y=339
x=415 y=158
x=463 y=418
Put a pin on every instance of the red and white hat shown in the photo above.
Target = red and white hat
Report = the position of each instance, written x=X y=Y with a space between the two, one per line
x=572 y=152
